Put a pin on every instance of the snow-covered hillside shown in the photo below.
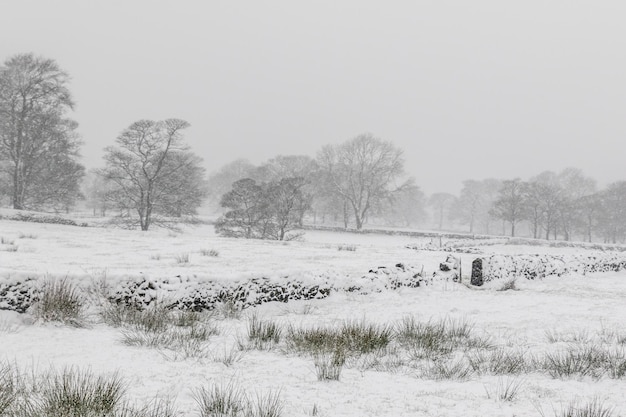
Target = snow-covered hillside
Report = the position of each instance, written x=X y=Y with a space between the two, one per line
x=539 y=317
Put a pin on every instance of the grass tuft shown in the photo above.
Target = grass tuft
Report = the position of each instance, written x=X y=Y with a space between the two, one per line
x=183 y=258
x=27 y=236
x=432 y=340
x=61 y=301
x=509 y=284
x=8 y=387
x=185 y=333
x=229 y=356
x=209 y=252
x=6 y=241
x=505 y=389
x=268 y=405
x=448 y=368
x=220 y=400
x=159 y=407
x=263 y=334
x=153 y=319
x=328 y=364
x=229 y=309
x=500 y=361
x=352 y=337
x=228 y=400
x=80 y=393
x=593 y=408
x=587 y=360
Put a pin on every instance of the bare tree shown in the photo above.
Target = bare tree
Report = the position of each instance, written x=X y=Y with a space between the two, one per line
x=286 y=166
x=441 y=203
x=148 y=167
x=590 y=207
x=96 y=190
x=612 y=216
x=474 y=203
x=287 y=201
x=38 y=144
x=292 y=167
x=262 y=211
x=574 y=187
x=221 y=181
x=405 y=206
x=545 y=197
x=184 y=189
x=510 y=205
x=247 y=216
x=362 y=171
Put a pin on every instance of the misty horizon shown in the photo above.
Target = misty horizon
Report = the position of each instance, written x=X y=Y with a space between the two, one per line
x=476 y=91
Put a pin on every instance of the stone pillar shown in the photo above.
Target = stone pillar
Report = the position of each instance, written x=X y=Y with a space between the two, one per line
x=477 y=272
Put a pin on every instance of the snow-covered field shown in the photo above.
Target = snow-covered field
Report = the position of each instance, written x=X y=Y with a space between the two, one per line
x=541 y=316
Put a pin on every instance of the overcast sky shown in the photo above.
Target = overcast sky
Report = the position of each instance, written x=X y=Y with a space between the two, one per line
x=468 y=89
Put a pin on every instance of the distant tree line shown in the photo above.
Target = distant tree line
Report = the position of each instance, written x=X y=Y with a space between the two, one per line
x=563 y=205
x=151 y=177
x=347 y=183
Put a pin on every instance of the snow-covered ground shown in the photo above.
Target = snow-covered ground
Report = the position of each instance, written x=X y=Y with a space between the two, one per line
x=571 y=305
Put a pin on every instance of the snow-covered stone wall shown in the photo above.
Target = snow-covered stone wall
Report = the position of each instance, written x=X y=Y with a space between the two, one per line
x=19 y=293
x=494 y=267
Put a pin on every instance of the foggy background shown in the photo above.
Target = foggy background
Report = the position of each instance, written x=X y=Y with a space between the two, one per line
x=467 y=89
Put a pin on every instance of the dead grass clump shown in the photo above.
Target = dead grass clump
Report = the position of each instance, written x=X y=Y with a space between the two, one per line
x=183 y=258
x=431 y=340
x=263 y=334
x=209 y=252
x=61 y=301
x=228 y=400
x=509 y=284
x=506 y=389
x=352 y=337
x=500 y=361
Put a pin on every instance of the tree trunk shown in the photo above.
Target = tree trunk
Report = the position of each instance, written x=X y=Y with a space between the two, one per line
x=441 y=218
x=512 y=229
x=18 y=189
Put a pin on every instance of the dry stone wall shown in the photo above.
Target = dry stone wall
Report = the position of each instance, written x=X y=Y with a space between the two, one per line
x=19 y=294
x=494 y=267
